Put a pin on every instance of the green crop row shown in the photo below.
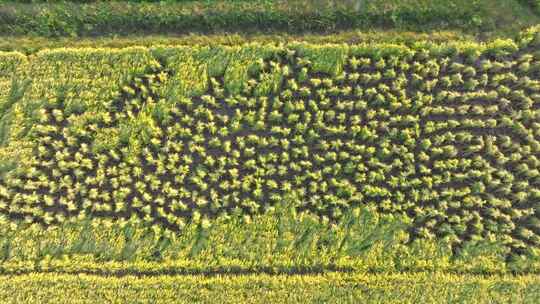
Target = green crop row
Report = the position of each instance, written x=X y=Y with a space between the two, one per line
x=324 y=288
x=59 y=18
x=31 y=45
x=534 y=4
x=445 y=135
x=278 y=242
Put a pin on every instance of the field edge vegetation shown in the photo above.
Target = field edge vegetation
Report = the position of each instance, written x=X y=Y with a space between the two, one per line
x=68 y=19
x=324 y=288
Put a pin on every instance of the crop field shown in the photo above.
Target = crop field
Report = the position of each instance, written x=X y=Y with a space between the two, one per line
x=327 y=288
x=379 y=167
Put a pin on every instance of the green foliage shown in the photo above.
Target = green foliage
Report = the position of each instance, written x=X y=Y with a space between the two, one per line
x=277 y=242
x=6 y=112
x=534 y=4
x=89 y=18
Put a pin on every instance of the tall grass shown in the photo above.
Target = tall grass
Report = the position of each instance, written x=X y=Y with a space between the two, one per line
x=279 y=241
x=68 y=19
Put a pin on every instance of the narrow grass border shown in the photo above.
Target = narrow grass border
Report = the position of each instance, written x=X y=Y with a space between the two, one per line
x=69 y=19
x=262 y=288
